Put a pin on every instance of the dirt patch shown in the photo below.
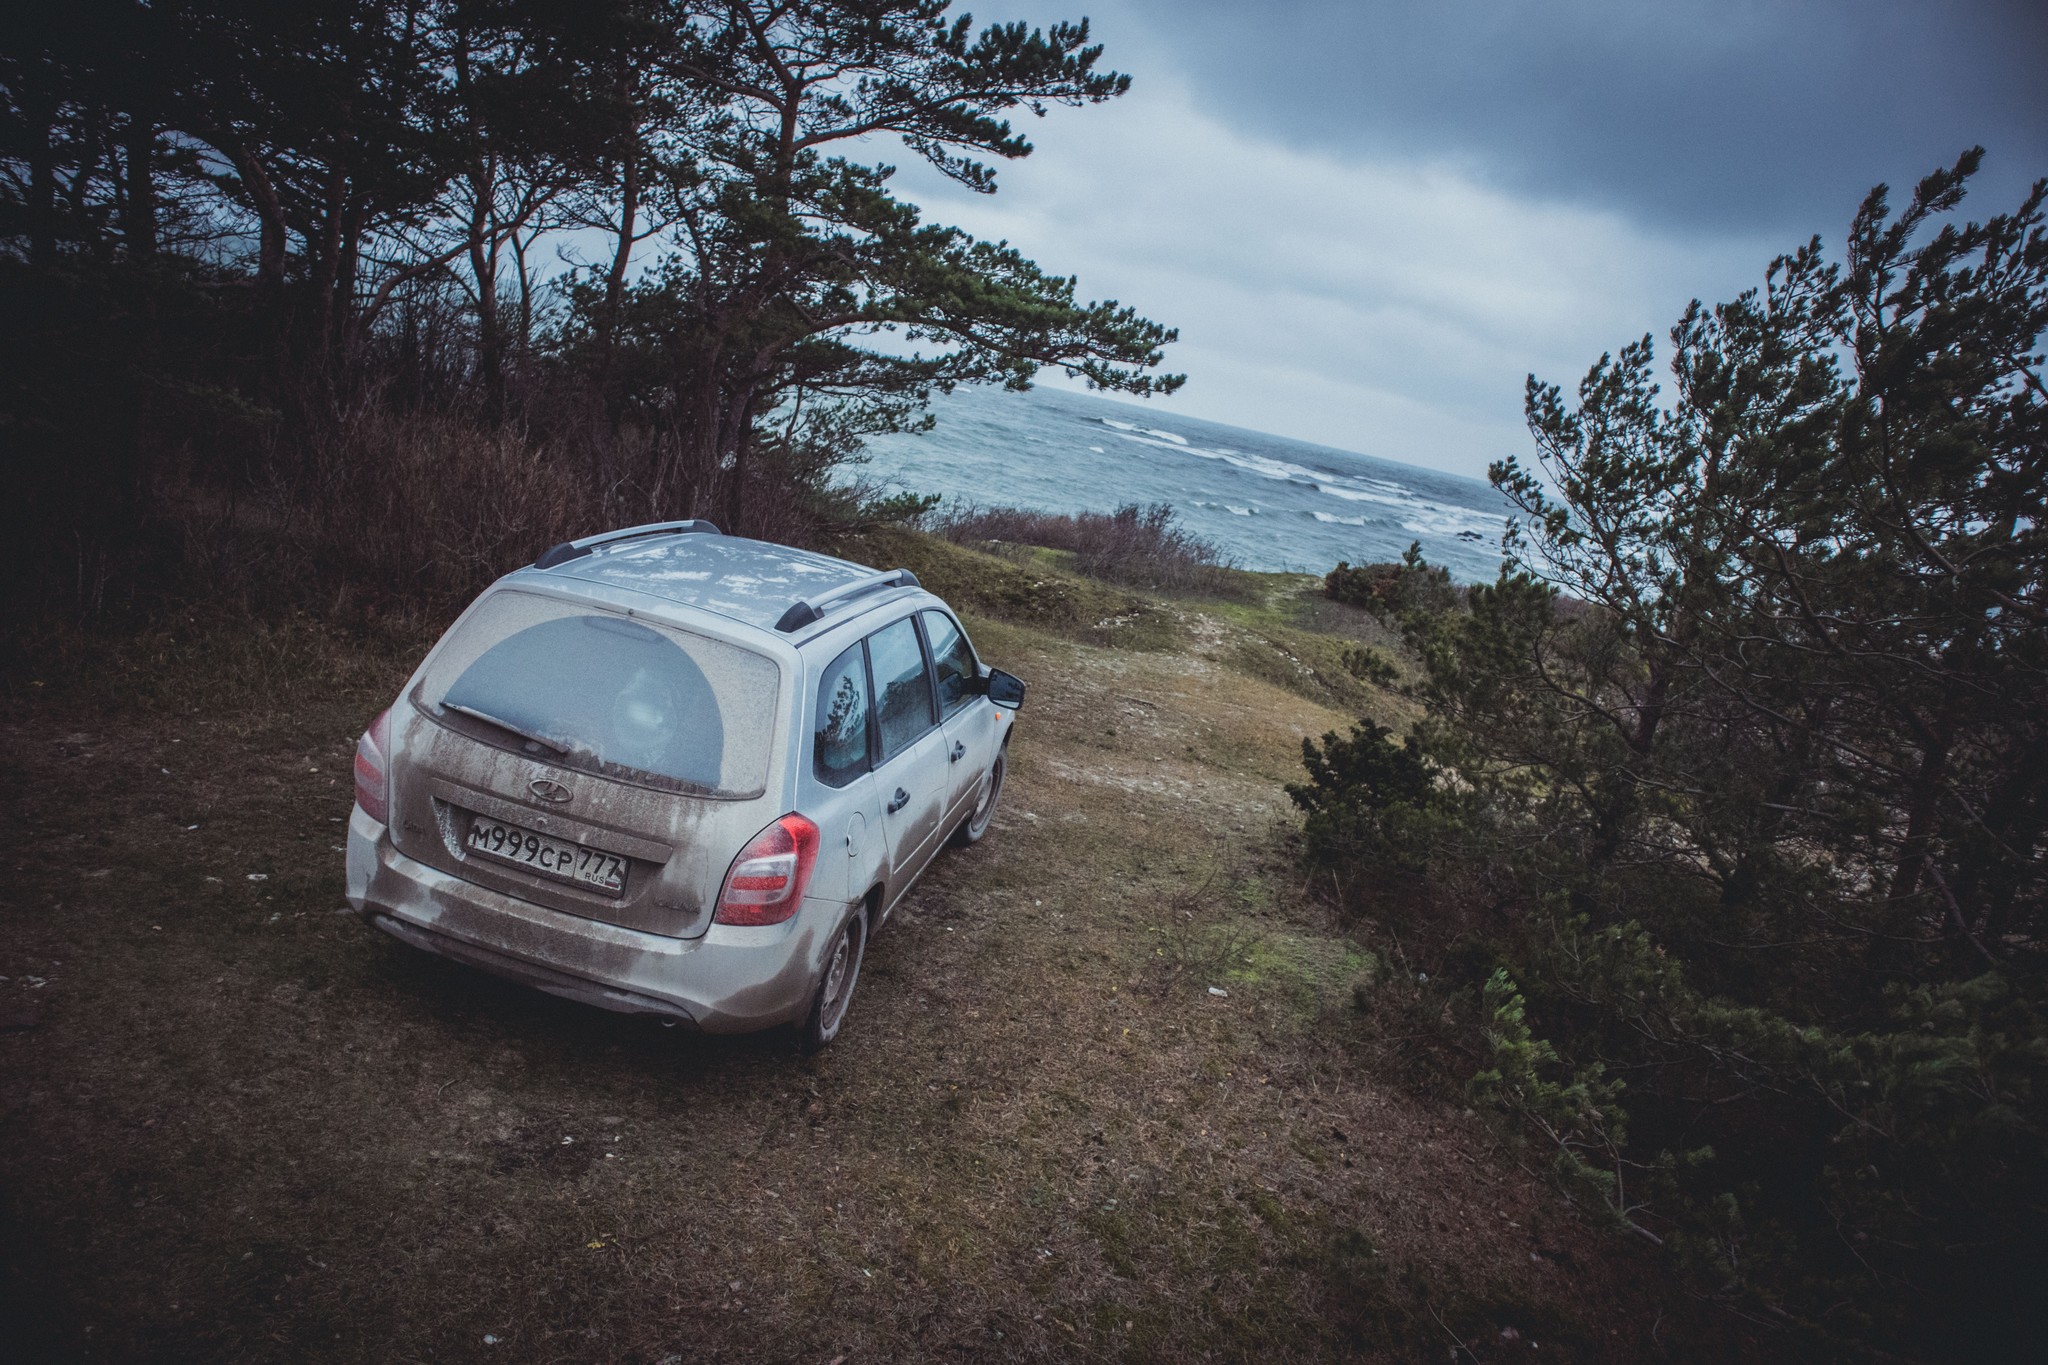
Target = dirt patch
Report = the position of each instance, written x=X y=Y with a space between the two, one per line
x=1103 y=1091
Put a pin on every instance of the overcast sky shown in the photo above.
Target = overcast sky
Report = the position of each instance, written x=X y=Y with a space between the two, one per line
x=1371 y=220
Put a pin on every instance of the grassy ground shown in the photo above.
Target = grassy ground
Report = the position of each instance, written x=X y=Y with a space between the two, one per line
x=1105 y=1090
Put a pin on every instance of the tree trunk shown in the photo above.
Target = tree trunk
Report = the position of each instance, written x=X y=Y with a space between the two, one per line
x=138 y=218
x=483 y=267
x=738 y=424
x=1923 y=807
x=1650 y=710
x=41 y=117
x=326 y=271
x=706 y=455
x=270 y=243
x=615 y=280
x=347 y=268
x=525 y=297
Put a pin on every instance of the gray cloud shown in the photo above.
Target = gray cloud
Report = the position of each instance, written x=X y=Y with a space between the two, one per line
x=1698 y=113
x=1371 y=222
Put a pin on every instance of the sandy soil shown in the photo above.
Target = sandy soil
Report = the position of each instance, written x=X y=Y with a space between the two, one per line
x=1104 y=1091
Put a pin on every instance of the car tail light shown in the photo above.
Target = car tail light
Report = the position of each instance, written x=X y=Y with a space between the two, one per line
x=373 y=769
x=767 y=880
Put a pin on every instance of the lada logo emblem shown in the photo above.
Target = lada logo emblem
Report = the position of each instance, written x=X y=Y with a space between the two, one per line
x=547 y=789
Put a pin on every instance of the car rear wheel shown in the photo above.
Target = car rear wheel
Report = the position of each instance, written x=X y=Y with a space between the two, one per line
x=976 y=825
x=835 y=987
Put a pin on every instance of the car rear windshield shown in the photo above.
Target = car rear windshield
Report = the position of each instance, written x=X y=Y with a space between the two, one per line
x=593 y=689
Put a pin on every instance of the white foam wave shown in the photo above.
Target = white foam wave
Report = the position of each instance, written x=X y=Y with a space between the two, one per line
x=1148 y=441
x=1172 y=438
x=1365 y=495
x=1416 y=515
x=1454 y=523
x=1425 y=516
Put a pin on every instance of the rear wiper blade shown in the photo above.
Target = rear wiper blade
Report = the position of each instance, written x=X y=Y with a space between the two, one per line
x=487 y=718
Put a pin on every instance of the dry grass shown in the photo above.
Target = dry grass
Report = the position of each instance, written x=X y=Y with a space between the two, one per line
x=395 y=511
x=1141 y=547
x=1026 y=591
x=243 y=1126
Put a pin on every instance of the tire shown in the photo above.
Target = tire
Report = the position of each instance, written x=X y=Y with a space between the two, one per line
x=975 y=826
x=835 y=986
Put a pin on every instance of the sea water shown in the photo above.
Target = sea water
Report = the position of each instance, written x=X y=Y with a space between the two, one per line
x=1266 y=502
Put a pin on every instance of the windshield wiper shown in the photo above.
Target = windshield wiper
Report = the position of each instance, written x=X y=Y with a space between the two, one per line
x=487 y=718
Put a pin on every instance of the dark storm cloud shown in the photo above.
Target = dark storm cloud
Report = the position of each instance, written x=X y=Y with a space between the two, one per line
x=1705 y=116
x=1371 y=222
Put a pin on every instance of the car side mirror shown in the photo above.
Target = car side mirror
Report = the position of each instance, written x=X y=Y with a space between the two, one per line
x=1004 y=689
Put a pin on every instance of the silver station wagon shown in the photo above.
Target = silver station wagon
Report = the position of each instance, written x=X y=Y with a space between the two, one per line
x=668 y=771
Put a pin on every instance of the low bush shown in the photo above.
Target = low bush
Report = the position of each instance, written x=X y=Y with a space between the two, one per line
x=1389 y=590
x=1137 y=546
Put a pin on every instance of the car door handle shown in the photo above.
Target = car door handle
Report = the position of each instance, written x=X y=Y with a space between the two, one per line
x=959 y=752
x=901 y=800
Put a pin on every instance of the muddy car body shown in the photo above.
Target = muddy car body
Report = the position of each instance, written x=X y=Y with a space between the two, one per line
x=671 y=772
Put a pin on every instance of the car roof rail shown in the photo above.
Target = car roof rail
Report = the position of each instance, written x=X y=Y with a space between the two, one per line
x=576 y=549
x=804 y=611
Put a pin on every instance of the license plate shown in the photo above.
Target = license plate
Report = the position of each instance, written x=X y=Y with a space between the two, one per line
x=550 y=857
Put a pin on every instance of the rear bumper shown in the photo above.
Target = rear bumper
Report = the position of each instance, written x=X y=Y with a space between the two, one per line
x=730 y=980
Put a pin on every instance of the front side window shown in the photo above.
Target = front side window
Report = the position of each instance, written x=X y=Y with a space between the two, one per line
x=903 y=686
x=594 y=690
x=953 y=660
x=842 y=735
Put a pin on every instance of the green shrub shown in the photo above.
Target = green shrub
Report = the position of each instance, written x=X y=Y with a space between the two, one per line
x=1389 y=591
x=1369 y=665
x=1760 y=822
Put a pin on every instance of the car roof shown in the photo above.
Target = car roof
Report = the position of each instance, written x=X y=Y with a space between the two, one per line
x=752 y=581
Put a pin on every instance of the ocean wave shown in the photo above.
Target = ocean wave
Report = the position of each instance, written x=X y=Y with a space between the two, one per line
x=1146 y=440
x=1306 y=508
x=1416 y=515
x=1424 y=515
x=1173 y=437
x=1366 y=495
x=1263 y=466
x=1449 y=523
x=1444 y=522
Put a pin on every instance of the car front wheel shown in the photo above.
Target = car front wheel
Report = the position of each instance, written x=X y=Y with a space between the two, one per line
x=976 y=825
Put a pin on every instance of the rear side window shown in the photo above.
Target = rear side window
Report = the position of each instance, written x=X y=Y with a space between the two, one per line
x=905 y=687
x=953 y=660
x=594 y=690
x=842 y=734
